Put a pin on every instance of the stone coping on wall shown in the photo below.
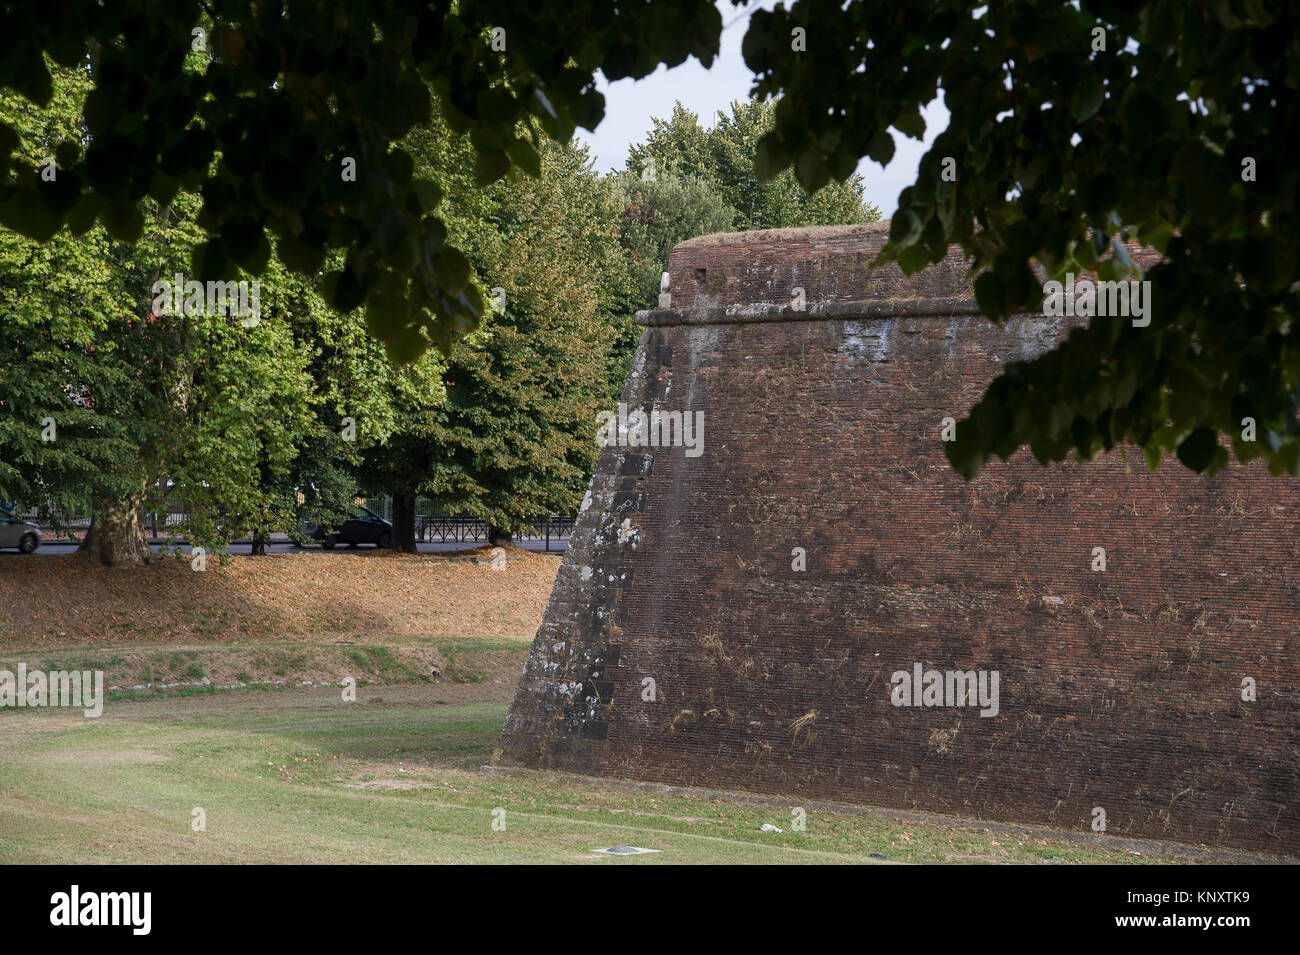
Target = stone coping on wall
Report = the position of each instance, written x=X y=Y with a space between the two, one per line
x=819 y=311
x=816 y=273
x=787 y=236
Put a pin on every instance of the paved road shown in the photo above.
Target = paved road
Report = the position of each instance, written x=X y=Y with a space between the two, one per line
x=557 y=547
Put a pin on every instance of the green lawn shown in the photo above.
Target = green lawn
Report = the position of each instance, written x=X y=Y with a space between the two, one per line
x=300 y=776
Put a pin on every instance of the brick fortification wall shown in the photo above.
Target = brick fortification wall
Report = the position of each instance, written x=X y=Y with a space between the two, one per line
x=1119 y=689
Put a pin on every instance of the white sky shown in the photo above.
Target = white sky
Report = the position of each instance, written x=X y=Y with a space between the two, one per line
x=630 y=104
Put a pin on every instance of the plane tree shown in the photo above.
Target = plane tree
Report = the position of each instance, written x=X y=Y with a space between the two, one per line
x=1073 y=123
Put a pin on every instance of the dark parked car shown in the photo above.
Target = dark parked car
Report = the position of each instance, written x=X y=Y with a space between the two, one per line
x=365 y=527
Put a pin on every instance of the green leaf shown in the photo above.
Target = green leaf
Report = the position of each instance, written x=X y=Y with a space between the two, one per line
x=964 y=453
x=81 y=217
x=811 y=170
x=1198 y=449
x=32 y=79
x=66 y=155
x=257 y=262
x=549 y=118
x=26 y=212
x=243 y=239
x=496 y=104
x=429 y=194
x=406 y=346
x=770 y=158
x=905 y=227
x=988 y=294
x=163 y=188
x=490 y=166
x=524 y=156
x=913 y=259
x=472 y=305
x=210 y=262
x=881 y=147
x=400 y=167
x=343 y=290
x=109 y=166
x=8 y=143
x=1087 y=99
x=299 y=256
x=451 y=270
x=123 y=220
x=1122 y=256
x=386 y=317
x=910 y=123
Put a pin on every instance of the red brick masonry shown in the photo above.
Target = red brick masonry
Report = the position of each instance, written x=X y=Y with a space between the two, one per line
x=1119 y=689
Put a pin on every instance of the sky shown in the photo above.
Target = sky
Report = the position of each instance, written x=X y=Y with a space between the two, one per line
x=630 y=105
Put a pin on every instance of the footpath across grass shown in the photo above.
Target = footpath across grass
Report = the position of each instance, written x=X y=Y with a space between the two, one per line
x=302 y=776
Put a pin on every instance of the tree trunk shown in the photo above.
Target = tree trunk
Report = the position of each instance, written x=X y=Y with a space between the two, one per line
x=498 y=537
x=404 y=522
x=116 y=535
x=259 y=545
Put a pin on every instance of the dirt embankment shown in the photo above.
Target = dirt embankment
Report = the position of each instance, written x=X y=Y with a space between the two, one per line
x=284 y=619
x=47 y=601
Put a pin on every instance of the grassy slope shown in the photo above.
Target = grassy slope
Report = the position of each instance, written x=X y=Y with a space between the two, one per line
x=300 y=776
x=383 y=658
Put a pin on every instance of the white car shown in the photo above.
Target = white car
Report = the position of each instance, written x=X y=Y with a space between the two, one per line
x=15 y=533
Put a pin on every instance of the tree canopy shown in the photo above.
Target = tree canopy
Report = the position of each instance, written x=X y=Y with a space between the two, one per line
x=686 y=180
x=112 y=396
x=512 y=439
x=289 y=126
x=724 y=155
x=1073 y=123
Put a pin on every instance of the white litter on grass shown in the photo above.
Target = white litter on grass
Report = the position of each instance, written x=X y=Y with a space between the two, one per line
x=768 y=827
x=624 y=851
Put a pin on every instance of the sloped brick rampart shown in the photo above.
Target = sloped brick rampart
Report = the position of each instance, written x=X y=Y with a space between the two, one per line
x=681 y=646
